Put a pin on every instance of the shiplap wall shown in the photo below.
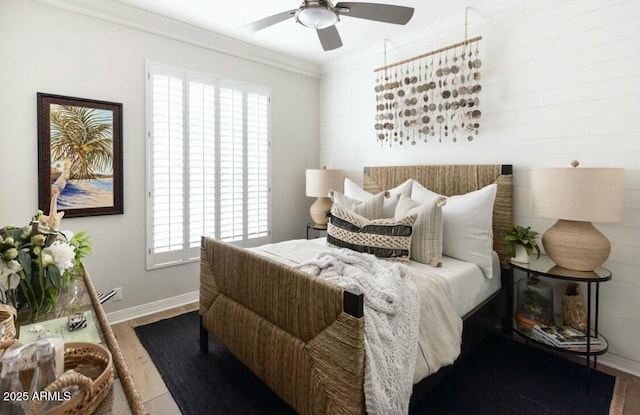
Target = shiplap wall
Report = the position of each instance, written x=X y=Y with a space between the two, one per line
x=561 y=81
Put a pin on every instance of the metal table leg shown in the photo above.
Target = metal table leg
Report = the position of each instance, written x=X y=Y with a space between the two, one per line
x=588 y=334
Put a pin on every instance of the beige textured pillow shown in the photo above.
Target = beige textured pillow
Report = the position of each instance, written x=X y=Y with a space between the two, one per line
x=384 y=238
x=426 y=243
x=468 y=218
x=370 y=208
x=354 y=191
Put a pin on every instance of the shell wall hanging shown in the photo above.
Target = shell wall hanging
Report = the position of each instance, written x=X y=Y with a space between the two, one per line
x=433 y=97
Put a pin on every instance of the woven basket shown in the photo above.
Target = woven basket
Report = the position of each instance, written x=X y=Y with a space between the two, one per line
x=89 y=366
x=8 y=321
x=574 y=312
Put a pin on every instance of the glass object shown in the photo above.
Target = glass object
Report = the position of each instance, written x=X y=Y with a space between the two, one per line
x=535 y=302
x=57 y=342
x=11 y=389
x=45 y=372
x=68 y=297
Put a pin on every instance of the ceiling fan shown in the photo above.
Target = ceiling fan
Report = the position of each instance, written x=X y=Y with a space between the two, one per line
x=322 y=16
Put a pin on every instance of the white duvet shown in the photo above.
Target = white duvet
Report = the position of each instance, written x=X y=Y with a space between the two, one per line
x=440 y=326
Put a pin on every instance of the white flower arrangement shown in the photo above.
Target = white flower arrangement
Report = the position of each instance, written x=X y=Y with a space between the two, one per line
x=36 y=261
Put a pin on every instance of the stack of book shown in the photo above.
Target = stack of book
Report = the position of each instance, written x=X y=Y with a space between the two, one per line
x=566 y=337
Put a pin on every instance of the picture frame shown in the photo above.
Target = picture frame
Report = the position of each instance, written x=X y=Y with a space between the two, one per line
x=79 y=156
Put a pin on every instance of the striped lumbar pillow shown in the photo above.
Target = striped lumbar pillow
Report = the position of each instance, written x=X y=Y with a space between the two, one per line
x=384 y=238
x=426 y=244
x=370 y=208
x=354 y=191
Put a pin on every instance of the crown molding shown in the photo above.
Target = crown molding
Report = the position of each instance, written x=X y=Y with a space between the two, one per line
x=134 y=18
x=447 y=30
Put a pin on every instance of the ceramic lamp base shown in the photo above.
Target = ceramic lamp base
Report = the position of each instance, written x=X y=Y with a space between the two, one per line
x=575 y=245
x=319 y=209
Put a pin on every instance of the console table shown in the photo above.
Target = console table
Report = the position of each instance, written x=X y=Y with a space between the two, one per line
x=123 y=397
x=546 y=268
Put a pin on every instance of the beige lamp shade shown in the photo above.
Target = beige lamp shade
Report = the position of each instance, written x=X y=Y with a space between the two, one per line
x=577 y=196
x=320 y=181
x=318 y=184
x=578 y=193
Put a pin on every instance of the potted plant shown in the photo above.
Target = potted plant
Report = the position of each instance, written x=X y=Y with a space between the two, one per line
x=521 y=242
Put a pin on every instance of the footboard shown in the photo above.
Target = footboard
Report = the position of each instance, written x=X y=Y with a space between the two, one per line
x=300 y=335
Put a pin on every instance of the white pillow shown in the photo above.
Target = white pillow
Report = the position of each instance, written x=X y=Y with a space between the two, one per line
x=389 y=206
x=468 y=220
x=426 y=242
x=370 y=208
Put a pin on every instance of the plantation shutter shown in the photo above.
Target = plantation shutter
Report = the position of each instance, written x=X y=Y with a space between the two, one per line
x=257 y=166
x=167 y=169
x=202 y=163
x=231 y=165
x=208 y=158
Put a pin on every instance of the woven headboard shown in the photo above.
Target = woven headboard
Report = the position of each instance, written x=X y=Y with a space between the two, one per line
x=450 y=180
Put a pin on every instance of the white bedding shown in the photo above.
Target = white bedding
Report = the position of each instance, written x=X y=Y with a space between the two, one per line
x=469 y=287
x=466 y=281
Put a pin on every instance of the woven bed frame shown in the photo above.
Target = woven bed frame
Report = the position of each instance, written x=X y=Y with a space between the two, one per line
x=304 y=337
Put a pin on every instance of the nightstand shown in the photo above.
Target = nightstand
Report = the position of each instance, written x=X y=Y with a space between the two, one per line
x=319 y=230
x=544 y=267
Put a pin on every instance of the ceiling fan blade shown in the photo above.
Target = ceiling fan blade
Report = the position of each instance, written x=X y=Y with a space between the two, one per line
x=269 y=21
x=387 y=13
x=329 y=38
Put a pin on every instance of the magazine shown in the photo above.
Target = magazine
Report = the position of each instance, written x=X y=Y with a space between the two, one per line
x=564 y=336
x=595 y=346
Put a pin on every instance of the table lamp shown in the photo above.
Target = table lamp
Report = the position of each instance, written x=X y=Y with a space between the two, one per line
x=577 y=197
x=319 y=183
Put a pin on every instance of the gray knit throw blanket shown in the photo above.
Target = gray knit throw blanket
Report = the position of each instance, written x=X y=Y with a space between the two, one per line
x=391 y=316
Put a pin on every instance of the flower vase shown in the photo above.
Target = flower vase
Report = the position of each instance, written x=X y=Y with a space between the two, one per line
x=68 y=298
x=27 y=315
x=521 y=255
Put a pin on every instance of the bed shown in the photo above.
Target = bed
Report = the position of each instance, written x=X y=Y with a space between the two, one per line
x=304 y=337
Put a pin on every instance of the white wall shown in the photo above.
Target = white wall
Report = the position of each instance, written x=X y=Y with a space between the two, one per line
x=53 y=50
x=561 y=81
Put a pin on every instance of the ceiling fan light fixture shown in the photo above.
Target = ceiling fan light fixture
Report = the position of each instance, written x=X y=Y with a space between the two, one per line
x=316 y=16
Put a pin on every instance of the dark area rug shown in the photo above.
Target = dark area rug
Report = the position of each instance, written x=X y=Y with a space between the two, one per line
x=504 y=377
x=498 y=377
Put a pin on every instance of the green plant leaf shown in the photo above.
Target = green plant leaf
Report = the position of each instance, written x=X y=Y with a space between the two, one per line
x=25 y=260
x=54 y=276
x=519 y=235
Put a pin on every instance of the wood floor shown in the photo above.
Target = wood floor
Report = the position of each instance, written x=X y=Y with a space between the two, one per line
x=150 y=385
x=159 y=401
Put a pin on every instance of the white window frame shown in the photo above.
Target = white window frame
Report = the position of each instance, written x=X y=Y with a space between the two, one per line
x=189 y=253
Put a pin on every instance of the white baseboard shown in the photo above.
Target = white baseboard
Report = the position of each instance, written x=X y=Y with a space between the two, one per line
x=152 y=307
x=621 y=363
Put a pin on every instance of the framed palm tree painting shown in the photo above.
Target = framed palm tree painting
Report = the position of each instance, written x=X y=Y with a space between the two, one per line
x=80 y=156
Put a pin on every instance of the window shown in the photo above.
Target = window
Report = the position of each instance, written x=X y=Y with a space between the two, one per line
x=208 y=163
